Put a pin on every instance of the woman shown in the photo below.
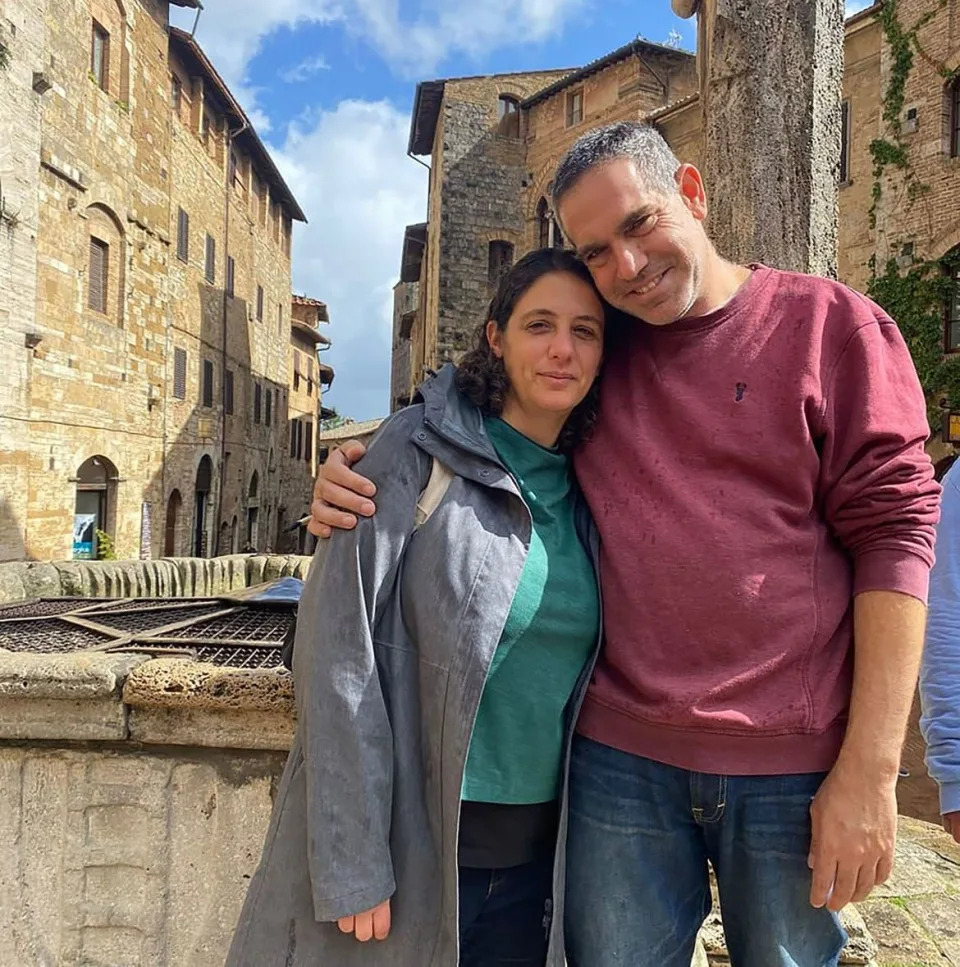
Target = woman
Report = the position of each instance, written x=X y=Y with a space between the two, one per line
x=439 y=667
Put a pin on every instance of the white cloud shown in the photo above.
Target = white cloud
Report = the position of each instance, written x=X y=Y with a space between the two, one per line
x=304 y=70
x=350 y=172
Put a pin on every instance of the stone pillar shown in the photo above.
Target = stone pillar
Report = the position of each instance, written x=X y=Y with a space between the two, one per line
x=770 y=83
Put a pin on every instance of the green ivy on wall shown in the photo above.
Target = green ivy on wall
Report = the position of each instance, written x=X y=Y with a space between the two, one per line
x=913 y=292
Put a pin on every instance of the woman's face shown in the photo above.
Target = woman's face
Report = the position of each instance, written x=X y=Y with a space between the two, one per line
x=552 y=345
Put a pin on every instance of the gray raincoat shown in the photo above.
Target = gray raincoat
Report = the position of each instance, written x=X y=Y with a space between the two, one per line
x=396 y=632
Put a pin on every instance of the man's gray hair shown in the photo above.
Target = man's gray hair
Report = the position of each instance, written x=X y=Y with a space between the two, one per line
x=639 y=142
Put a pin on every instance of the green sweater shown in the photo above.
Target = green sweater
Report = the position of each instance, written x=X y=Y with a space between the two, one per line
x=517 y=740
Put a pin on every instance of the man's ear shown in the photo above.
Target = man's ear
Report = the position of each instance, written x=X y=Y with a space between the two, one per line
x=694 y=196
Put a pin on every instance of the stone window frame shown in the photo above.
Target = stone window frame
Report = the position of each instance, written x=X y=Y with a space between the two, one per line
x=100 y=67
x=846 y=128
x=573 y=109
x=548 y=228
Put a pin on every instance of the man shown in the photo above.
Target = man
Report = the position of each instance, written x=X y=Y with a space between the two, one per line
x=767 y=513
x=940 y=671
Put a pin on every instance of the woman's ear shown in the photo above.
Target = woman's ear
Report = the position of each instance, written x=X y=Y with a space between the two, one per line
x=494 y=339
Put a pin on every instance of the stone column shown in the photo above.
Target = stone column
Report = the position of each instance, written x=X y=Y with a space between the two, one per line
x=770 y=84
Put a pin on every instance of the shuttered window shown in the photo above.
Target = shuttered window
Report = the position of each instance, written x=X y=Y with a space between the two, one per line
x=210 y=261
x=100 y=56
x=99 y=261
x=228 y=392
x=231 y=275
x=183 y=235
x=308 y=442
x=207 y=383
x=257 y=401
x=259 y=303
x=293 y=438
x=268 y=408
x=180 y=374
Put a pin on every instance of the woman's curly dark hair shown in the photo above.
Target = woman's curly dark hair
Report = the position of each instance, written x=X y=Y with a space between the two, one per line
x=481 y=375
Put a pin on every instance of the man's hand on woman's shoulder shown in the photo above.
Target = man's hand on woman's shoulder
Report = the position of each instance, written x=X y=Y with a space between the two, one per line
x=339 y=494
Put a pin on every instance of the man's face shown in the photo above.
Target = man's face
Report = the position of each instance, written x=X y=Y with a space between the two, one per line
x=645 y=249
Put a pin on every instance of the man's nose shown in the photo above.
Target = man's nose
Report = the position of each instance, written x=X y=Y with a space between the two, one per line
x=630 y=262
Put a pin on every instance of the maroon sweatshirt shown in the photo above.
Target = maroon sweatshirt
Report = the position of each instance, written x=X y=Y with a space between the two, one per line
x=751 y=471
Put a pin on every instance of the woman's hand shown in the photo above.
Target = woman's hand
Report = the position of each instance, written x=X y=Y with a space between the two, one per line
x=374 y=924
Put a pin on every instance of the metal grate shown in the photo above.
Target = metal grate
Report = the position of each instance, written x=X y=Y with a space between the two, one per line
x=48 y=636
x=245 y=624
x=141 y=621
x=240 y=657
x=148 y=604
x=40 y=609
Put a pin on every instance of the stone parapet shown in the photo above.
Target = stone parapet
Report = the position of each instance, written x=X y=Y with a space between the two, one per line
x=172 y=577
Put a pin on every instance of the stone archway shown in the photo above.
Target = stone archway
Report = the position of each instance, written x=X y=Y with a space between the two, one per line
x=95 y=506
x=201 y=497
x=174 y=508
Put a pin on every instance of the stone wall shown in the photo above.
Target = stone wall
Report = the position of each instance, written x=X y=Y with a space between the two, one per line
x=22 y=31
x=187 y=577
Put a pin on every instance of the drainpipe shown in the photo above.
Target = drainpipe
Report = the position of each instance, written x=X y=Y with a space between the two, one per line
x=228 y=189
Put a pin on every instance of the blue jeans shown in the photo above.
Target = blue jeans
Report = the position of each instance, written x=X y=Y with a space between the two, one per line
x=637 y=883
x=505 y=915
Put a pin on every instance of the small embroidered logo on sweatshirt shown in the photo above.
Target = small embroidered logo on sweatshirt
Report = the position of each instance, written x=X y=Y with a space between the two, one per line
x=741 y=389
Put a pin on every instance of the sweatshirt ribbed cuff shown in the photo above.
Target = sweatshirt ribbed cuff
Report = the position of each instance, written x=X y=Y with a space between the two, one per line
x=887 y=570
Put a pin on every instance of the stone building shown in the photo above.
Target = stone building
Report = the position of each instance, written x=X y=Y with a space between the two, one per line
x=299 y=458
x=145 y=292
x=495 y=141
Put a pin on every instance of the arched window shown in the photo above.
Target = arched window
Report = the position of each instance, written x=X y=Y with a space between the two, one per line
x=508 y=116
x=253 y=512
x=201 y=497
x=499 y=260
x=953 y=115
x=543 y=223
x=95 y=507
x=174 y=505
x=951 y=309
x=105 y=264
x=548 y=228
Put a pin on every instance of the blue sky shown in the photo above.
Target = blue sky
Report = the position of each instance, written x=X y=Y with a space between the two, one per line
x=329 y=85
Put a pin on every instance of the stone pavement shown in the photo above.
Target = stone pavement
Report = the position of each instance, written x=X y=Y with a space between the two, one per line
x=913 y=920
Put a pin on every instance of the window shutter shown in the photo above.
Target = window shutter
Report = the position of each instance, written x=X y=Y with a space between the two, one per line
x=268 y=410
x=260 y=303
x=228 y=392
x=257 y=399
x=231 y=270
x=183 y=236
x=308 y=442
x=97 y=298
x=207 y=383
x=180 y=374
x=293 y=438
x=210 y=266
